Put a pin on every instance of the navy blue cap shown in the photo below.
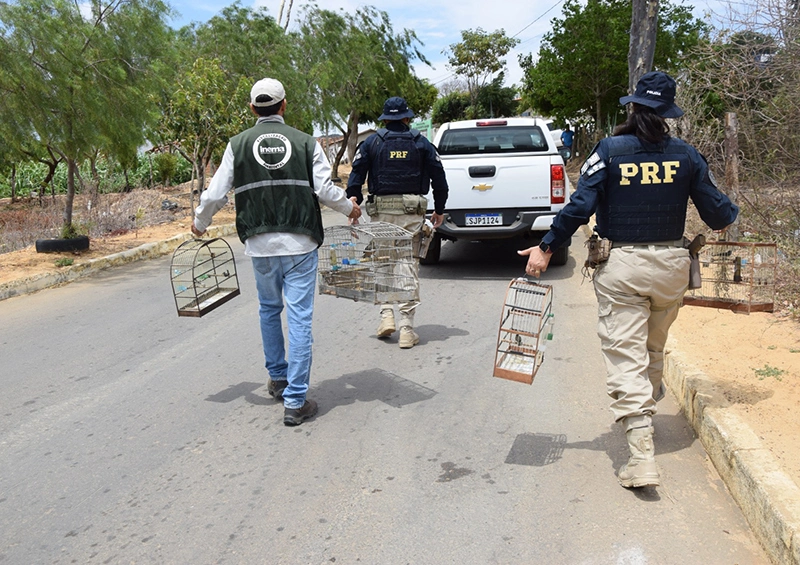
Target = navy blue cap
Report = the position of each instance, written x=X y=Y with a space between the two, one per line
x=657 y=91
x=395 y=108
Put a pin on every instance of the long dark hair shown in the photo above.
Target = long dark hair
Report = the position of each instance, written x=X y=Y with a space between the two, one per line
x=645 y=124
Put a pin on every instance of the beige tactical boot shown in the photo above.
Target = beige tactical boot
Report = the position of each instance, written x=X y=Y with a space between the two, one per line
x=386 y=327
x=640 y=470
x=408 y=337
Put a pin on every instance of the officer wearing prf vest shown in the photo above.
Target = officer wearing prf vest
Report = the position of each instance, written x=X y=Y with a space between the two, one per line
x=638 y=183
x=279 y=176
x=402 y=165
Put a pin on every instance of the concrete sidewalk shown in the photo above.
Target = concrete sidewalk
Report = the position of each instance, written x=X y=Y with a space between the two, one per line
x=768 y=497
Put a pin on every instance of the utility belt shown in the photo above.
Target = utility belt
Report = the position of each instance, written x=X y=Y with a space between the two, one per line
x=674 y=243
x=600 y=250
x=396 y=204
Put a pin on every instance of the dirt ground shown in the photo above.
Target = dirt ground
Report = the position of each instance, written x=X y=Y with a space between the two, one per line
x=754 y=358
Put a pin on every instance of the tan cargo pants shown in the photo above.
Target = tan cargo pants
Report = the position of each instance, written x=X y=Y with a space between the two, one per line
x=639 y=291
x=413 y=224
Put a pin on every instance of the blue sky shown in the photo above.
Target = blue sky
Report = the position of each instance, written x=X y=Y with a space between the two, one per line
x=437 y=23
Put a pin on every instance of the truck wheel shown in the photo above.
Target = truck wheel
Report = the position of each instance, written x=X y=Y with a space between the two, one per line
x=560 y=256
x=434 y=251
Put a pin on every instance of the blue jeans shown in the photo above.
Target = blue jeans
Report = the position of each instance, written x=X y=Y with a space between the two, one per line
x=289 y=278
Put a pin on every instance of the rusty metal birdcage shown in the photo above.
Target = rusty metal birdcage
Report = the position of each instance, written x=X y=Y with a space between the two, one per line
x=526 y=325
x=203 y=274
x=736 y=276
x=371 y=262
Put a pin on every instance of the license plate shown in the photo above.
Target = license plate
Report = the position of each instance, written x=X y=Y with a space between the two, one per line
x=484 y=219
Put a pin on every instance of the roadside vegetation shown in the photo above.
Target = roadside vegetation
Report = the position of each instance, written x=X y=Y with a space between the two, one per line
x=109 y=101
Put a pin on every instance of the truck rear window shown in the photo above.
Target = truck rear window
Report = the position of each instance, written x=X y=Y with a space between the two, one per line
x=492 y=140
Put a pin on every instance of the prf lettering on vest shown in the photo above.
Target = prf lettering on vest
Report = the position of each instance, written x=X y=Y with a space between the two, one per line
x=649 y=173
x=398 y=154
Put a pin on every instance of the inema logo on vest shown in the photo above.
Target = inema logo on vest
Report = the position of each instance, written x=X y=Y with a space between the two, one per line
x=648 y=173
x=272 y=150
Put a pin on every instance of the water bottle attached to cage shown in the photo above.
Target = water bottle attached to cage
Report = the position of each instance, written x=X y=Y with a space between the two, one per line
x=526 y=325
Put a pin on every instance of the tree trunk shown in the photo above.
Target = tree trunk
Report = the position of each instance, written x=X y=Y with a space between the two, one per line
x=352 y=135
x=71 y=168
x=732 y=167
x=94 y=186
x=14 y=183
x=642 y=46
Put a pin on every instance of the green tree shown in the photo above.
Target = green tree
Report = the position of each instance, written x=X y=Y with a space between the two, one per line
x=74 y=76
x=478 y=57
x=582 y=67
x=352 y=63
x=494 y=100
x=204 y=111
x=450 y=107
x=218 y=62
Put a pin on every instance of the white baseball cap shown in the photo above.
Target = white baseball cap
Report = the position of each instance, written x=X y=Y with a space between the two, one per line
x=270 y=90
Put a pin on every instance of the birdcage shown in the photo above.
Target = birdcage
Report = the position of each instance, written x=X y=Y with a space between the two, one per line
x=203 y=276
x=370 y=262
x=526 y=325
x=736 y=276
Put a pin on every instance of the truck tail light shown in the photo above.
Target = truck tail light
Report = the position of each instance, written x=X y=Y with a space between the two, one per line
x=558 y=186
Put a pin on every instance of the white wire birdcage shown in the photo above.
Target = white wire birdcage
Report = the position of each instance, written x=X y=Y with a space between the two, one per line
x=370 y=262
x=526 y=325
x=737 y=276
x=203 y=274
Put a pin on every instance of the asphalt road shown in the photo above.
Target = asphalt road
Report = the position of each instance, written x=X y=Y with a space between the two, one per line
x=130 y=435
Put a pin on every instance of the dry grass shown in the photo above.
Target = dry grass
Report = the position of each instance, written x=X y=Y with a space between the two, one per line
x=23 y=222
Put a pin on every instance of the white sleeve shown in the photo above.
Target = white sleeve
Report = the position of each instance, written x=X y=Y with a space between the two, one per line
x=329 y=194
x=215 y=196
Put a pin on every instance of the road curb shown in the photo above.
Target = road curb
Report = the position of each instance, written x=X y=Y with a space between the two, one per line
x=74 y=272
x=767 y=496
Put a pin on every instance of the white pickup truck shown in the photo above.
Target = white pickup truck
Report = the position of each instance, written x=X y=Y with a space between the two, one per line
x=506 y=178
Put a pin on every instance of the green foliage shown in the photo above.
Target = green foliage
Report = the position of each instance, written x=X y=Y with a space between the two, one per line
x=69 y=231
x=64 y=262
x=769 y=371
x=494 y=100
x=350 y=64
x=164 y=167
x=31 y=175
x=479 y=56
x=450 y=108
x=68 y=76
x=582 y=68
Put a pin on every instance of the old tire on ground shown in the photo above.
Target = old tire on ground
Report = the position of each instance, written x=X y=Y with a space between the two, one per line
x=434 y=251
x=79 y=243
x=560 y=256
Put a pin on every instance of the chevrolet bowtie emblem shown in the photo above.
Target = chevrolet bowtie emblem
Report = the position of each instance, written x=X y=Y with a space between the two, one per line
x=482 y=187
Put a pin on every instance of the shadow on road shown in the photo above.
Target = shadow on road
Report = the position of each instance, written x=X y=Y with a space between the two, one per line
x=366 y=386
x=491 y=260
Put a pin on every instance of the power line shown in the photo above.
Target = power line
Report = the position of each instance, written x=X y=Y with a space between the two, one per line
x=537 y=19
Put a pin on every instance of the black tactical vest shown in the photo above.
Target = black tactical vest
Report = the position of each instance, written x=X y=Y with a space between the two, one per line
x=398 y=163
x=647 y=190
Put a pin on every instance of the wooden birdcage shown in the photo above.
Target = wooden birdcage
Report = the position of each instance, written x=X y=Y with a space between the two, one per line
x=736 y=276
x=203 y=274
x=370 y=262
x=526 y=325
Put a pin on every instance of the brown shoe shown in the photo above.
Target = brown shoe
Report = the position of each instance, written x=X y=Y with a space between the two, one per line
x=296 y=416
x=276 y=388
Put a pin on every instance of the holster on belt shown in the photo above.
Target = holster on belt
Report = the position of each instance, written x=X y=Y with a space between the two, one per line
x=599 y=251
x=397 y=204
x=694 y=247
